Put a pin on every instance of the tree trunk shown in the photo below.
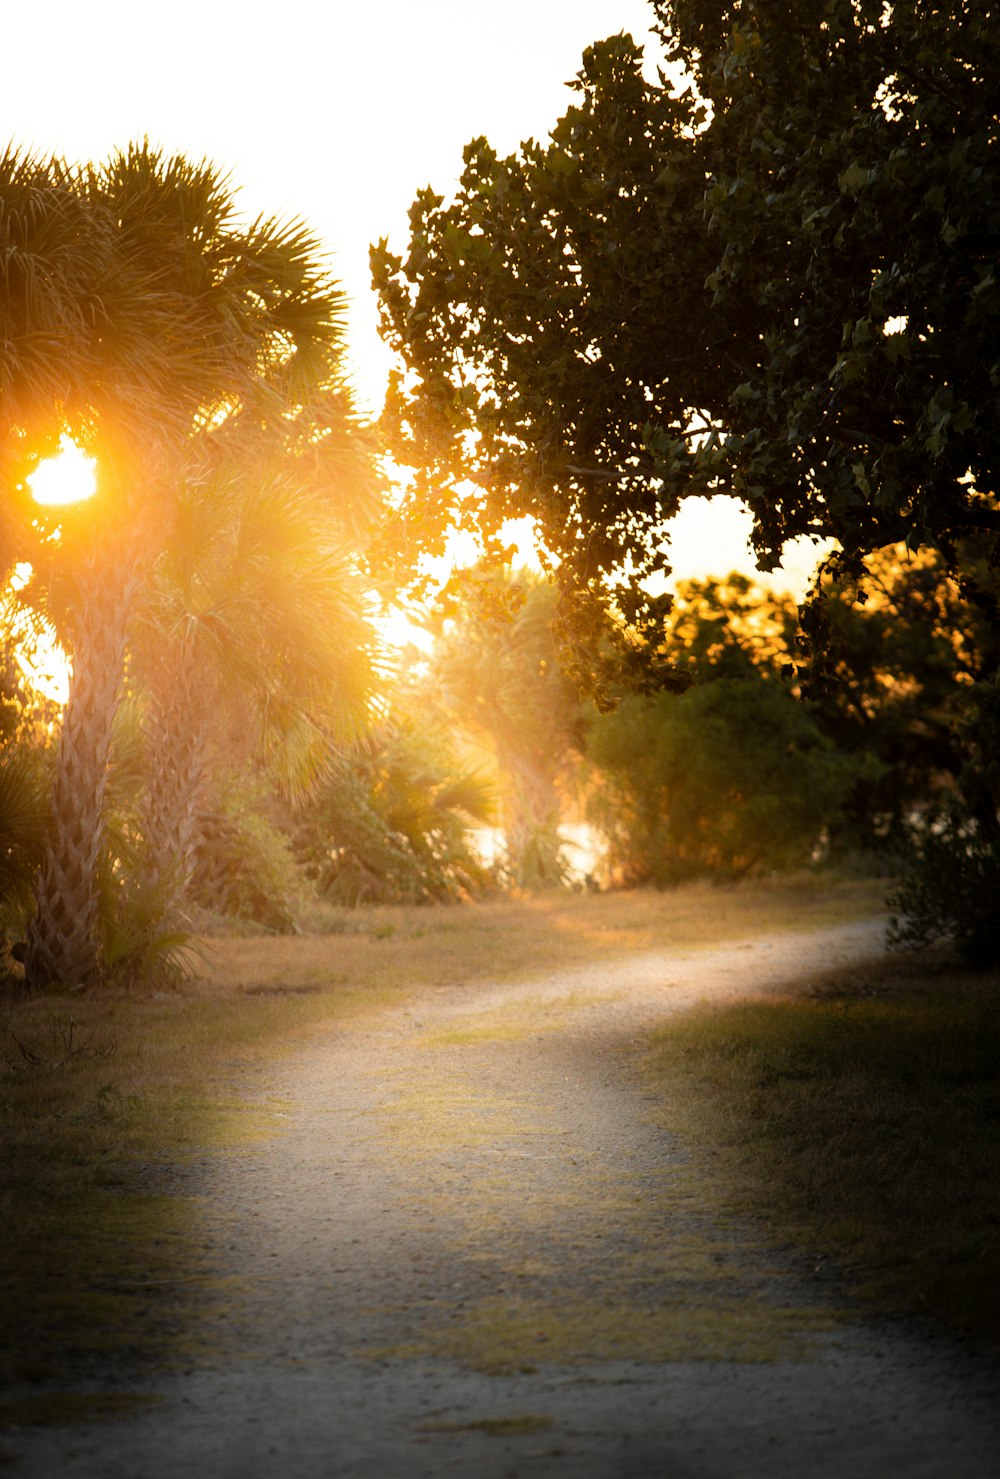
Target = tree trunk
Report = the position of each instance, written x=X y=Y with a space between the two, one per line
x=531 y=820
x=63 y=945
x=176 y=746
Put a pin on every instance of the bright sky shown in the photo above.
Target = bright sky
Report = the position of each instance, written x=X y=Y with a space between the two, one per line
x=329 y=110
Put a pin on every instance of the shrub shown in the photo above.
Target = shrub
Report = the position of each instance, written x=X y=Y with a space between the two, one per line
x=731 y=776
x=243 y=866
x=949 y=888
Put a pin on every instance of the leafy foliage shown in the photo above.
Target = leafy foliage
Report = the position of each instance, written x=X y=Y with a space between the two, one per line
x=729 y=628
x=391 y=823
x=950 y=881
x=796 y=256
x=28 y=717
x=496 y=675
x=889 y=667
x=893 y=670
x=527 y=312
x=732 y=776
x=776 y=280
x=139 y=947
x=26 y=721
x=23 y=810
x=948 y=889
x=243 y=864
x=852 y=173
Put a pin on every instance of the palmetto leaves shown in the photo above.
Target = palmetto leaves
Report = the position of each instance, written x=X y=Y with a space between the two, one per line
x=136 y=309
x=234 y=311
x=391 y=823
x=51 y=263
x=23 y=809
x=260 y=590
x=418 y=789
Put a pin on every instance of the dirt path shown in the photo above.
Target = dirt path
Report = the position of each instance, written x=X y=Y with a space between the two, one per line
x=473 y=1246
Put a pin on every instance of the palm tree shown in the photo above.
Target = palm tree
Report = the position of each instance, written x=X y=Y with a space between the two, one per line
x=256 y=601
x=53 y=256
x=144 y=315
x=498 y=675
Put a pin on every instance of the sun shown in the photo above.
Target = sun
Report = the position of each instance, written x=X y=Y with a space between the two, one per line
x=69 y=476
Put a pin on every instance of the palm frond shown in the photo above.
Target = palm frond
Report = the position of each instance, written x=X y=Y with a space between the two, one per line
x=24 y=797
x=471 y=793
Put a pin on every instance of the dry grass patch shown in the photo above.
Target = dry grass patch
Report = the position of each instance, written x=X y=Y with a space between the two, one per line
x=505 y=939
x=500 y=1335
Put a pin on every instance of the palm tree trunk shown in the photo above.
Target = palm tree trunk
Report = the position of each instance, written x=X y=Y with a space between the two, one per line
x=531 y=819
x=63 y=945
x=177 y=758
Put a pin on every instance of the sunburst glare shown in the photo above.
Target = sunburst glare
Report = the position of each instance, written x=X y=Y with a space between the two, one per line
x=69 y=476
x=34 y=643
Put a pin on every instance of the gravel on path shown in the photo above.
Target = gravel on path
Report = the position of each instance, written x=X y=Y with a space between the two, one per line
x=475 y=1247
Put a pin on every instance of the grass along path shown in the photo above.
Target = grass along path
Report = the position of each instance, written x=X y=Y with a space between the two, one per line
x=862 y=1121
x=466 y=1235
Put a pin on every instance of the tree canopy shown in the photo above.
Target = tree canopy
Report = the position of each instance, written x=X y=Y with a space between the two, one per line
x=774 y=278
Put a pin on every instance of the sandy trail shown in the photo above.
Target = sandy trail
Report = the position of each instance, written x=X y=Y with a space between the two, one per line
x=472 y=1248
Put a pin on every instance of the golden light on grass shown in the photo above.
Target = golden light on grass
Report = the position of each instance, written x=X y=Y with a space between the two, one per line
x=70 y=476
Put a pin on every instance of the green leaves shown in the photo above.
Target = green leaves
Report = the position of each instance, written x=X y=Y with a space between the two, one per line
x=853 y=179
x=640 y=274
x=24 y=802
x=517 y=288
x=729 y=776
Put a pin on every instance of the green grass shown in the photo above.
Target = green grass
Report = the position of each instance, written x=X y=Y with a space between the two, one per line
x=108 y=1104
x=863 y=1123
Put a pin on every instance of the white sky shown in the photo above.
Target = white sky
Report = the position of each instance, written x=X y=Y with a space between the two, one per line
x=333 y=112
